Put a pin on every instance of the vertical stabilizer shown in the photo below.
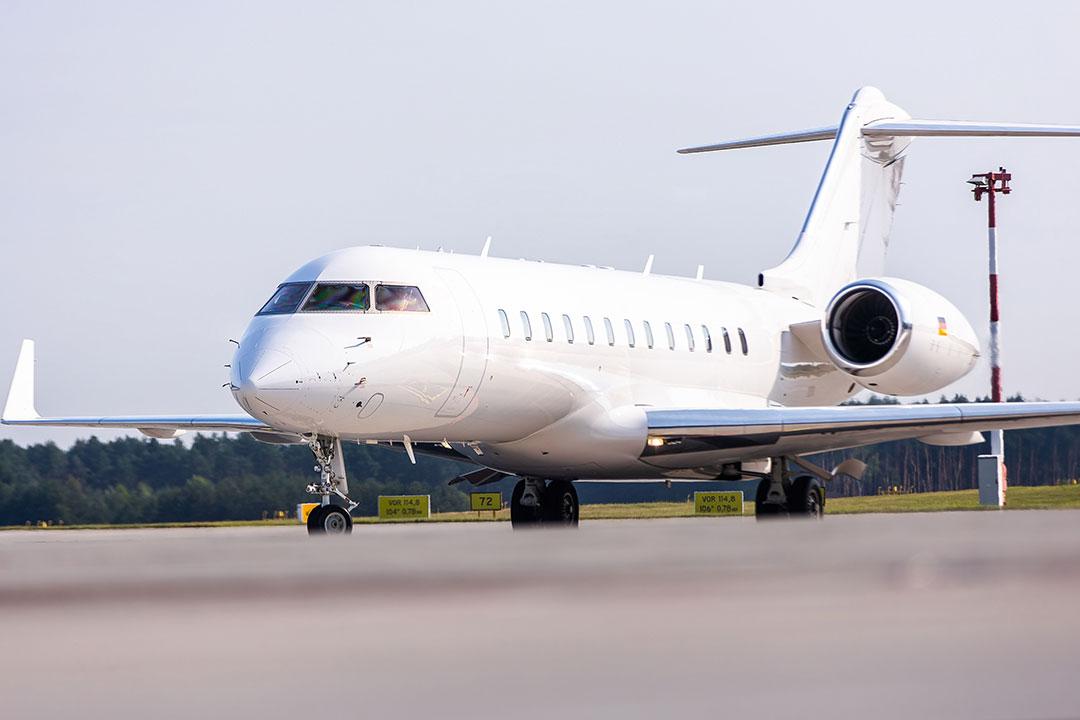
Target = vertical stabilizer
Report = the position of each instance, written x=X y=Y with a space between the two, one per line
x=846 y=231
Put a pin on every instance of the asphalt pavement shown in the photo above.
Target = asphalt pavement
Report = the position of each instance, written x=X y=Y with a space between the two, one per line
x=926 y=615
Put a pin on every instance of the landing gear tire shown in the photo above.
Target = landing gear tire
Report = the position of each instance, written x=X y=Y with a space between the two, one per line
x=806 y=497
x=763 y=508
x=329 y=520
x=522 y=516
x=560 y=506
x=314 y=519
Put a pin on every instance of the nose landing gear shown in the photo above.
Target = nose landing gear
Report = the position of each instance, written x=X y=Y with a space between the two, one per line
x=330 y=518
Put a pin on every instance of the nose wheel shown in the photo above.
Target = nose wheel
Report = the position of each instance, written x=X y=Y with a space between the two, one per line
x=329 y=520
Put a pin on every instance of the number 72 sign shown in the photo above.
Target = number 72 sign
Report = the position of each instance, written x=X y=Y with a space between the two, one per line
x=485 y=501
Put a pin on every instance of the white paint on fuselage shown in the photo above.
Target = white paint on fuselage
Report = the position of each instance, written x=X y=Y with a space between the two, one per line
x=551 y=408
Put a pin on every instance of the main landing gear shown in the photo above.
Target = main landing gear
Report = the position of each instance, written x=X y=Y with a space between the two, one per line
x=330 y=518
x=534 y=503
x=780 y=493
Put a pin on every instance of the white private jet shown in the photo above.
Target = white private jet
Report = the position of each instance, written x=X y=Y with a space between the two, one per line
x=557 y=373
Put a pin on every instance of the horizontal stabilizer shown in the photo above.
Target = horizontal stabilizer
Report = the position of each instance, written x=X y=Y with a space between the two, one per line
x=800 y=136
x=965 y=128
x=900 y=128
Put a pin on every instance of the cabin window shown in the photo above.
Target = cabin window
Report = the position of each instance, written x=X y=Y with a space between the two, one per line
x=689 y=337
x=399 y=298
x=670 y=336
x=742 y=341
x=589 y=334
x=338 y=297
x=526 y=326
x=568 y=326
x=286 y=299
x=548 y=334
x=504 y=322
x=629 y=332
x=648 y=333
x=727 y=340
x=707 y=337
x=610 y=331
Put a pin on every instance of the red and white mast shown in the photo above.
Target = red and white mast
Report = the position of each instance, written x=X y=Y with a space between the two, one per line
x=990 y=184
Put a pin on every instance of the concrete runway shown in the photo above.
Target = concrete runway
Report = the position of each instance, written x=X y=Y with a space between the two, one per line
x=929 y=616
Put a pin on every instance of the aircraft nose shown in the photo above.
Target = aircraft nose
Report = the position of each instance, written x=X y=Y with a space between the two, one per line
x=265 y=380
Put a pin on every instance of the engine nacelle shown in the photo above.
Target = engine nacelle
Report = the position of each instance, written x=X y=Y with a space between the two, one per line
x=897 y=337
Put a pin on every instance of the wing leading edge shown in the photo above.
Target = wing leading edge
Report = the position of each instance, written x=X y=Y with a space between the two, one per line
x=686 y=438
x=19 y=410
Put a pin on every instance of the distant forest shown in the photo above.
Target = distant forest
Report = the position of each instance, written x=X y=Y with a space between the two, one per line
x=133 y=480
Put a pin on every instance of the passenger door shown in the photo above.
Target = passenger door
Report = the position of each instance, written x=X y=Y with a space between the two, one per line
x=474 y=344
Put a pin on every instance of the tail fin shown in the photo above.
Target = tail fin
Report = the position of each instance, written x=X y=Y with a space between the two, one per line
x=846 y=231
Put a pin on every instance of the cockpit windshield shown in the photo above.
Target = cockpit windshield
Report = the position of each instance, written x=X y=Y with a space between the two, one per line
x=344 y=297
x=400 y=298
x=331 y=297
x=286 y=299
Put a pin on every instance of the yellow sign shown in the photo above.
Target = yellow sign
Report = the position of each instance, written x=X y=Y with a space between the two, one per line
x=303 y=510
x=718 y=503
x=485 y=501
x=404 y=507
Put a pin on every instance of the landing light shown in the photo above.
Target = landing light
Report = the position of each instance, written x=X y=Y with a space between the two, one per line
x=655 y=442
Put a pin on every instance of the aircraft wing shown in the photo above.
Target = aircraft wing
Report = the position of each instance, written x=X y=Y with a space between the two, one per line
x=19 y=410
x=698 y=437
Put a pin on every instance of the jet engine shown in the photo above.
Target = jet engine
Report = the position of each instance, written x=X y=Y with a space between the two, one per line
x=897 y=337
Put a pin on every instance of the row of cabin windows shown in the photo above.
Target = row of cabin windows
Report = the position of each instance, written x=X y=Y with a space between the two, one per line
x=628 y=326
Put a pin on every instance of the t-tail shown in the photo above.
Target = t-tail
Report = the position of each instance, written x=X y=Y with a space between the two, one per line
x=846 y=232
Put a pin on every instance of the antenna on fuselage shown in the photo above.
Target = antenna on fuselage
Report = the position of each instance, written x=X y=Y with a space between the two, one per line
x=487 y=247
x=700 y=272
x=648 y=266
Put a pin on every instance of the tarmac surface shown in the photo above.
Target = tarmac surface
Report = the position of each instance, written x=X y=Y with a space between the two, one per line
x=929 y=616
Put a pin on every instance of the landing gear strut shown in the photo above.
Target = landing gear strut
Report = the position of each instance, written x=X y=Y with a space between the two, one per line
x=781 y=494
x=533 y=503
x=330 y=518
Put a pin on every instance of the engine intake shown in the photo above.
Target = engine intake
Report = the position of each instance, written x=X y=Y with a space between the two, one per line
x=864 y=325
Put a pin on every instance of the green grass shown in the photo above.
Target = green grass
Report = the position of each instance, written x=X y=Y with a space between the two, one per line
x=1049 y=497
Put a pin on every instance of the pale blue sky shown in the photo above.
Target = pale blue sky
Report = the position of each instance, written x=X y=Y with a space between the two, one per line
x=164 y=165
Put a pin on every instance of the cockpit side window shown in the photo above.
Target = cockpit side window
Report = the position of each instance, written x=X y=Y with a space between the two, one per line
x=400 y=298
x=285 y=299
x=338 y=297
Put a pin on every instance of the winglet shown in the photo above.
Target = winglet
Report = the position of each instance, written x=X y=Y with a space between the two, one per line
x=20 y=399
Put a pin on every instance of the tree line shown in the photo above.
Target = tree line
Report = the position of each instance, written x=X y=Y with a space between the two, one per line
x=216 y=477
